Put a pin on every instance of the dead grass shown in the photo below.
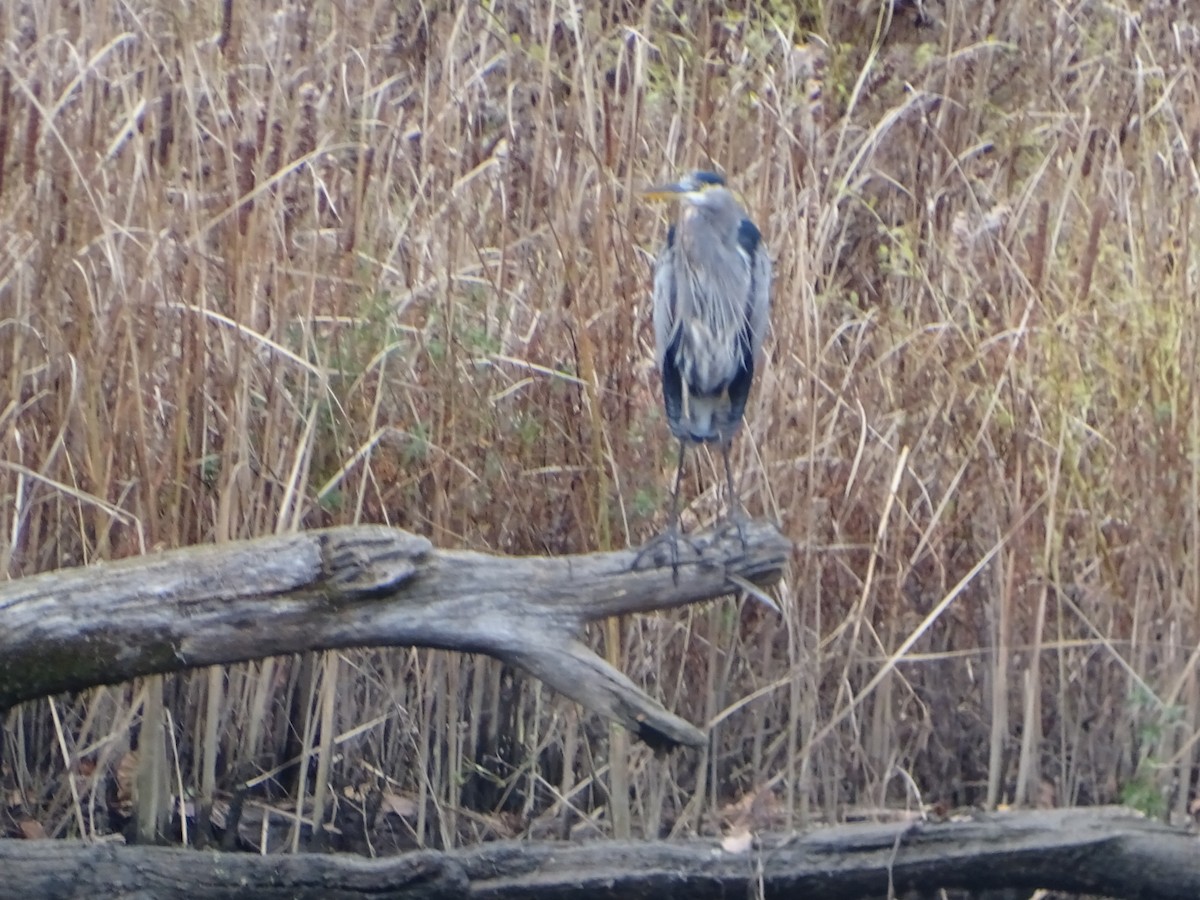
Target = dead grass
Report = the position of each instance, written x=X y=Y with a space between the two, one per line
x=350 y=264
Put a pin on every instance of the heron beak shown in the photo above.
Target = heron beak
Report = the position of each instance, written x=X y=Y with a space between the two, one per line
x=665 y=192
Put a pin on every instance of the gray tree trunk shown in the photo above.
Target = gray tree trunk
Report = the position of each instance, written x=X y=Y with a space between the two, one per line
x=1099 y=851
x=357 y=587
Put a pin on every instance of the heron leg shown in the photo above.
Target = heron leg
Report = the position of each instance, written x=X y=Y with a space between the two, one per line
x=674 y=533
x=675 y=491
x=737 y=515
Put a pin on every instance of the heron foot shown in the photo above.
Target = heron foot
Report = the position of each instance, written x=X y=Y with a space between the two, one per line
x=736 y=521
x=668 y=541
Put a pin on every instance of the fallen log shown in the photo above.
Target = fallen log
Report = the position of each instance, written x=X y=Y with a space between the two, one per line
x=363 y=586
x=1105 y=850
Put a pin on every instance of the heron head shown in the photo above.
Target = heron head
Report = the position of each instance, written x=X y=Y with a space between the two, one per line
x=698 y=188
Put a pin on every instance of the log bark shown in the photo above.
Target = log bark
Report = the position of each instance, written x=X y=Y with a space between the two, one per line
x=363 y=586
x=1096 y=851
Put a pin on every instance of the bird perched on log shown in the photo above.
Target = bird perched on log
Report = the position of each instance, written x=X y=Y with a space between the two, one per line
x=712 y=297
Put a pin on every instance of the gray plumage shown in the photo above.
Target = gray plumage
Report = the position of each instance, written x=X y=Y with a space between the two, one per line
x=712 y=284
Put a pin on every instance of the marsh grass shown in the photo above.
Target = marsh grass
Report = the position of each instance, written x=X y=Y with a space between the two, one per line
x=276 y=269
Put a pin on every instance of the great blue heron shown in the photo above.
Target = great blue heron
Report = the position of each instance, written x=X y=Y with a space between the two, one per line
x=712 y=295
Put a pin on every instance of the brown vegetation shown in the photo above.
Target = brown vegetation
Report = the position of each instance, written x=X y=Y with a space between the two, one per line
x=386 y=262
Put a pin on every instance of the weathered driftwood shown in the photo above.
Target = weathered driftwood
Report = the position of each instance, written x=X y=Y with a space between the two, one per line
x=1095 y=851
x=354 y=587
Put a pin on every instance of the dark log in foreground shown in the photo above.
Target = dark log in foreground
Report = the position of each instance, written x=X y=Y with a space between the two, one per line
x=355 y=587
x=1106 y=851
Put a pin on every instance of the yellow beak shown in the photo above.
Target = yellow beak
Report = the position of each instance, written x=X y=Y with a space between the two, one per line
x=665 y=192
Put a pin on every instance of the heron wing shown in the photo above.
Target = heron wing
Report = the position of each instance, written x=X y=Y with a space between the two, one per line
x=666 y=329
x=664 y=298
x=759 y=300
x=754 y=326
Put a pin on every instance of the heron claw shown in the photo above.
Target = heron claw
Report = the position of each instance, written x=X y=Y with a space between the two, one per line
x=736 y=521
x=672 y=538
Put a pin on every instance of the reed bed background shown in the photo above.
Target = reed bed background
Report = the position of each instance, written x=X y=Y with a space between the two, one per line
x=272 y=268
